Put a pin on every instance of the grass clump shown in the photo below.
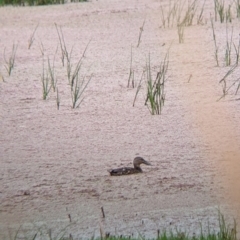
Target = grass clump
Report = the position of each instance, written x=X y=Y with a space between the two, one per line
x=178 y=13
x=190 y=13
x=219 y=10
x=225 y=14
x=155 y=88
x=78 y=88
x=76 y=80
x=170 y=14
x=48 y=78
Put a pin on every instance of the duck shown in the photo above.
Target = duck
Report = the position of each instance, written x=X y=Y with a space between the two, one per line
x=129 y=170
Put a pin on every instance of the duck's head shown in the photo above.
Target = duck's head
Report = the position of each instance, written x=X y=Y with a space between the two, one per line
x=139 y=160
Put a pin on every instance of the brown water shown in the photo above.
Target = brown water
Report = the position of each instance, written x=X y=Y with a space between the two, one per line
x=54 y=162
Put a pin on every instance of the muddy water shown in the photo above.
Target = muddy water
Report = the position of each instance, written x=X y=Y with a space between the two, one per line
x=54 y=162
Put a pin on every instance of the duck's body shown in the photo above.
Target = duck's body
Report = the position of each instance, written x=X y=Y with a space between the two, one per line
x=129 y=170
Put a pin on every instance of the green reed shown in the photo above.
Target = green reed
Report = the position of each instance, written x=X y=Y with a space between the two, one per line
x=31 y=39
x=156 y=87
x=10 y=61
x=131 y=73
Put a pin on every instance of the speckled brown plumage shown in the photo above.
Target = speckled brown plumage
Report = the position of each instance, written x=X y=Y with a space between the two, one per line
x=129 y=170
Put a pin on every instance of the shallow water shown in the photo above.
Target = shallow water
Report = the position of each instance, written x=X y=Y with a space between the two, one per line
x=54 y=162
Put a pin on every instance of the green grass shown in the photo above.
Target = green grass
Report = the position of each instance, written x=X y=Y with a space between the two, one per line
x=156 y=87
x=225 y=232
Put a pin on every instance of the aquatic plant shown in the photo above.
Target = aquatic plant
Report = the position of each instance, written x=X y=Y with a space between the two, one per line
x=223 y=82
x=140 y=33
x=228 y=47
x=190 y=13
x=77 y=82
x=58 y=100
x=31 y=39
x=131 y=72
x=62 y=43
x=46 y=82
x=169 y=15
x=156 y=88
x=10 y=61
x=237 y=6
x=51 y=71
x=180 y=30
x=41 y=47
x=200 y=17
x=237 y=51
x=215 y=43
x=138 y=87
x=219 y=10
x=78 y=87
x=180 y=14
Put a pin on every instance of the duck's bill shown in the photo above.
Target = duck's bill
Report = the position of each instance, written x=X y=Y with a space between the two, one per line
x=147 y=163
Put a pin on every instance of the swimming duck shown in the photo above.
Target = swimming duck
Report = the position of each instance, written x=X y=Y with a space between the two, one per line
x=129 y=170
